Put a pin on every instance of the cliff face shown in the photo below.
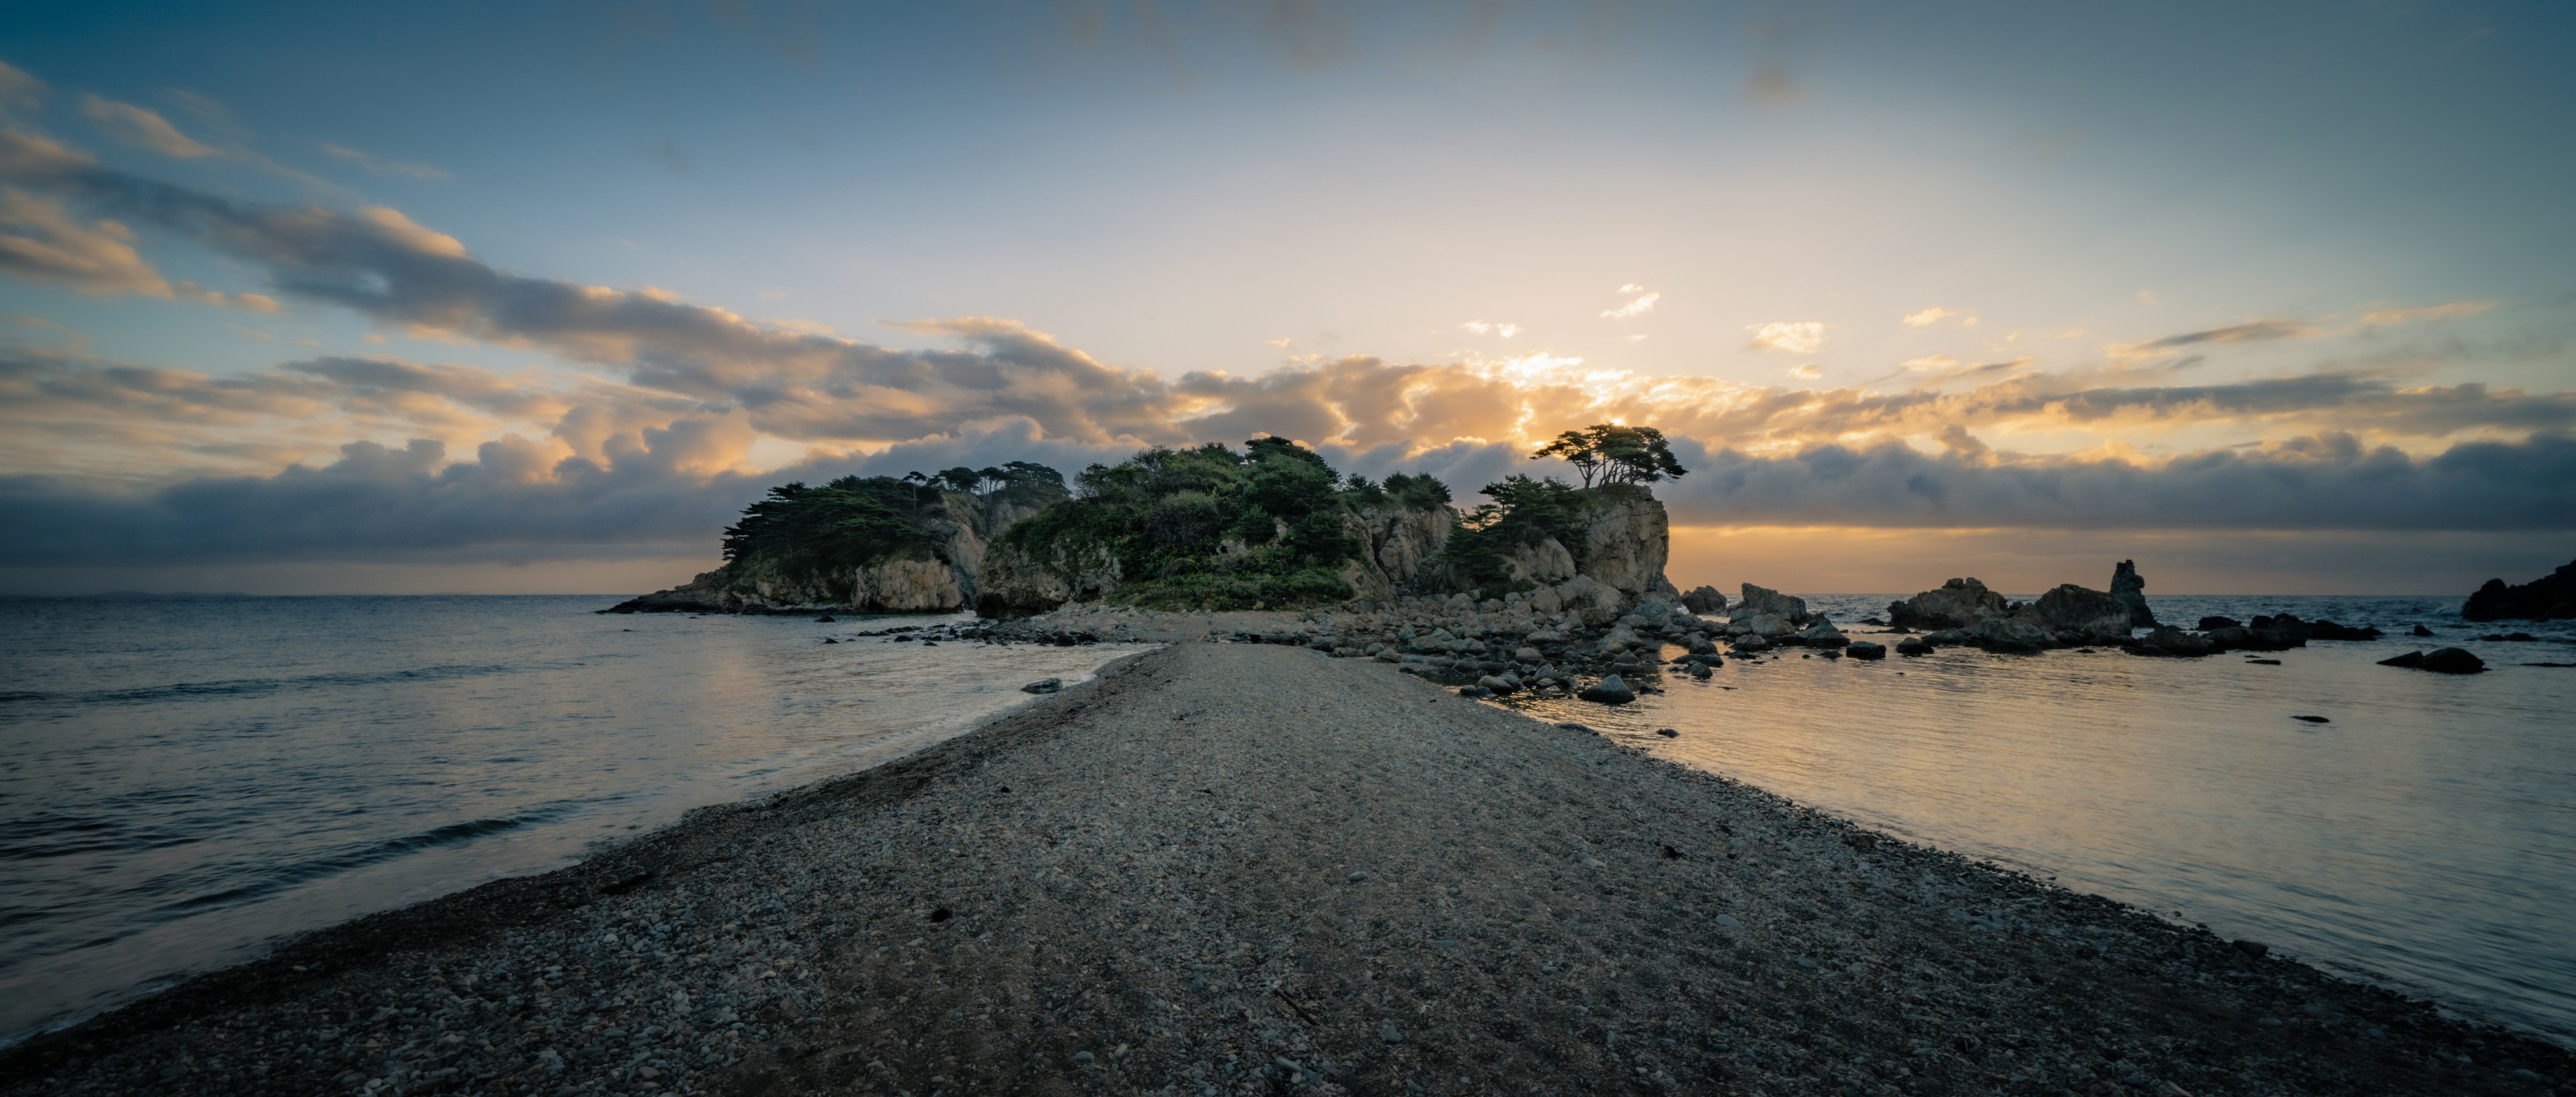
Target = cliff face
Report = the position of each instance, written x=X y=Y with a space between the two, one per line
x=1625 y=546
x=961 y=527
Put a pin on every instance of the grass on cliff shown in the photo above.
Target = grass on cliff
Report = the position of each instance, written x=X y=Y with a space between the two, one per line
x=1190 y=528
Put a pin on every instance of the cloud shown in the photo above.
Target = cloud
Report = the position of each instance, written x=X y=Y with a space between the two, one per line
x=377 y=165
x=142 y=129
x=1810 y=371
x=2320 y=482
x=256 y=302
x=1796 y=337
x=2386 y=317
x=19 y=90
x=1639 y=307
x=2255 y=332
x=1929 y=317
x=2149 y=296
x=41 y=241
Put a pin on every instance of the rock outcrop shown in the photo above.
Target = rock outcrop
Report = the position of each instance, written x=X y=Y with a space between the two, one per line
x=944 y=579
x=2131 y=589
x=1766 y=602
x=1704 y=600
x=1959 y=603
x=1626 y=545
x=2551 y=597
x=2077 y=615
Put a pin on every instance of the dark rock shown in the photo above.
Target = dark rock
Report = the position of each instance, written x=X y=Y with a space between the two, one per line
x=1043 y=685
x=2328 y=630
x=2420 y=630
x=1959 y=603
x=1704 y=600
x=2253 y=949
x=2131 y=589
x=1750 y=643
x=2011 y=635
x=1913 y=645
x=2213 y=624
x=2550 y=597
x=1873 y=621
x=1867 y=650
x=2083 y=612
x=2452 y=661
x=2169 y=640
x=1610 y=691
x=1474 y=691
x=2410 y=659
x=1668 y=733
x=1762 y=601
x=2262 y=662
x=2313 y=719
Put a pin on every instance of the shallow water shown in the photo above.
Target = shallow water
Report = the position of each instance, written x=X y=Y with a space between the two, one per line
x=2426 y=834
x=185 y=780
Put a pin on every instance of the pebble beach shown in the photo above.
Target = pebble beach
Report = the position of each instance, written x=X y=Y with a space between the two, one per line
x=1254 y=868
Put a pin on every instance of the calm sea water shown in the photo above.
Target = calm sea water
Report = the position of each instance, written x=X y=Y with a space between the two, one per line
x=2424 y=837
x=185 y=780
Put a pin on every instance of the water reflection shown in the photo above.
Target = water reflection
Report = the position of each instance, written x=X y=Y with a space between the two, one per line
x=2428 y=832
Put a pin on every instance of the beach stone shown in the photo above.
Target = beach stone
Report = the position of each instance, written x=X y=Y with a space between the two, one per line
x=1043 y=685
x=2255 y=949
x=1751 y=643
x=1913 y=645
x=1390 y=1034
x=1609 y=691
x=1866 y=649
x=1498 y=684
x=1527 y=655
x=2420 y=630
x=1700 y=670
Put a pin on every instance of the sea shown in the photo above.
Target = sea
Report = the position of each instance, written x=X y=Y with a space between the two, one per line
x=186 y=781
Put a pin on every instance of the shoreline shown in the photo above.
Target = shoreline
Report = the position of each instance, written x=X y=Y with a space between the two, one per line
x=1537 y=905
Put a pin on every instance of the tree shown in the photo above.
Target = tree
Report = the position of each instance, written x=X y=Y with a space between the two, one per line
x=1615 y=454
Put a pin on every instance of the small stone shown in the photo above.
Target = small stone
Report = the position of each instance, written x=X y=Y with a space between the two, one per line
x=1806 y=963
x=1043 y=685
x=2254 y=949
x=1082 y=1056
x=1728 y=921
x=1389 y=1034
x=1357 y=877
x=2313 y=719
x=1668 y=733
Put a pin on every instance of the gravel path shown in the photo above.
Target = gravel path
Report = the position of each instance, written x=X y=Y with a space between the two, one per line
x=1237 y=868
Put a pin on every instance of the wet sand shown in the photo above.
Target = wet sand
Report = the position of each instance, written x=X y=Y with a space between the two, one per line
x=1223 y=868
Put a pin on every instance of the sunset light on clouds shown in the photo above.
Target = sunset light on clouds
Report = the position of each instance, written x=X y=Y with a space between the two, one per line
x=289 y=307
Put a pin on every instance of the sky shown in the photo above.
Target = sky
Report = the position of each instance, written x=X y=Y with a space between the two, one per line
x=306 y=298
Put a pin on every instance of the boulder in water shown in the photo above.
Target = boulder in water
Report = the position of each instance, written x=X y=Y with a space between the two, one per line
x=1704 y=600
x=1822 y=634
x=1867 y=650
x=2090 y=614
x=1609 y=691
x=2013 y=635
x=1913 y=645
x=1761 y=601
x=1959 y=603
x=2439 y=661
x=2131 y=589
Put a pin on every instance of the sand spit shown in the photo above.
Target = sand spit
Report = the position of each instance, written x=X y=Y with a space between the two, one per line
x=1228 y=868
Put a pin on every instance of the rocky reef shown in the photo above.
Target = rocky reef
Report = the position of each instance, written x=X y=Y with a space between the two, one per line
x=2551 y=597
